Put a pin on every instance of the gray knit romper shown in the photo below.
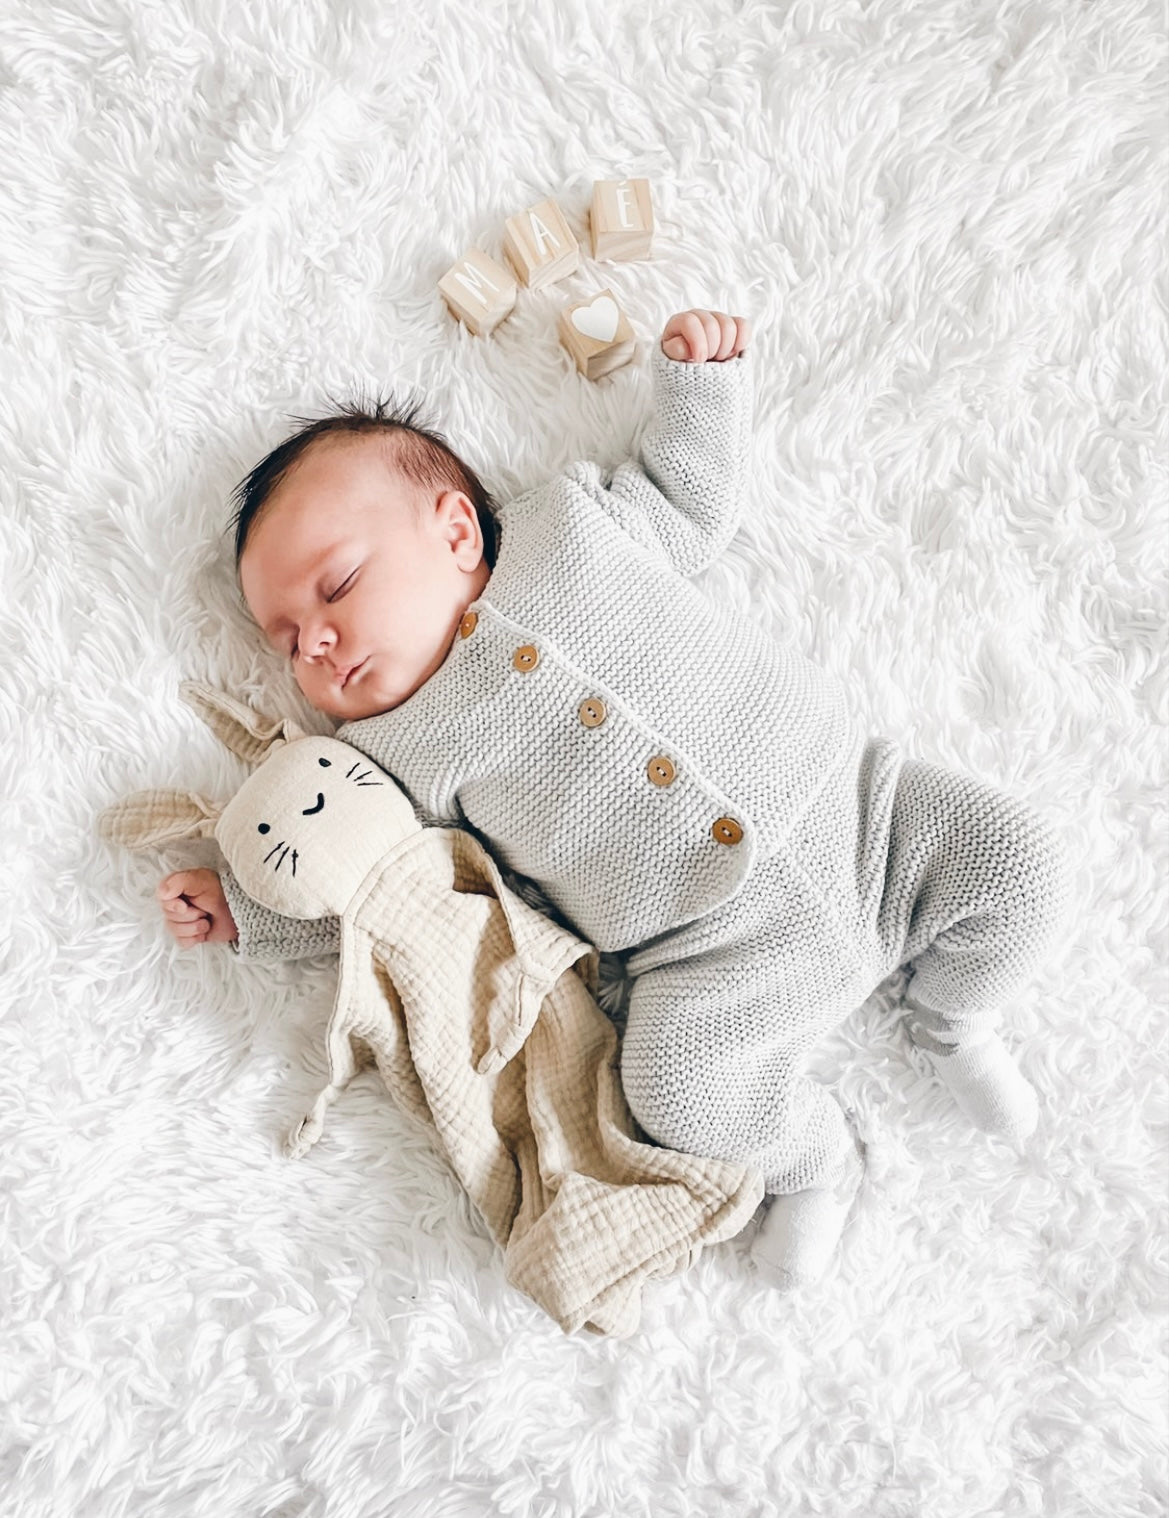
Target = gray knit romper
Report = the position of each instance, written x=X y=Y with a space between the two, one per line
x=689 y=794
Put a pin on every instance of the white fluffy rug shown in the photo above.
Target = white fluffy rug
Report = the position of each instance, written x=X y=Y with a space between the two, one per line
x=945 y=219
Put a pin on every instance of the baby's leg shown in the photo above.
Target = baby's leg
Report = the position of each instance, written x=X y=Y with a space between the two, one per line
x=707 y=1079
x=975 y=890
x=713 y=1063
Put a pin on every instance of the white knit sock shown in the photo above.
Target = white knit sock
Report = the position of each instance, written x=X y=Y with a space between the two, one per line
x=801 y=1229
x=982 y=1077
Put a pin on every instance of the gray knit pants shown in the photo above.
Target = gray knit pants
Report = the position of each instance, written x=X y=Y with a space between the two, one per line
x=904 y=864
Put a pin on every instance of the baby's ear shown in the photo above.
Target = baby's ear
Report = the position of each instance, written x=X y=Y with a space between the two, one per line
x=148 y=818
x=247 y=733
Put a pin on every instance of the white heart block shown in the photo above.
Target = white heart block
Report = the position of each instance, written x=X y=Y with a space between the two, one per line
x=598 y=319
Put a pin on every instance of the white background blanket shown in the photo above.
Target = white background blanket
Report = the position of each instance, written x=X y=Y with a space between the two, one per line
x=944 y=218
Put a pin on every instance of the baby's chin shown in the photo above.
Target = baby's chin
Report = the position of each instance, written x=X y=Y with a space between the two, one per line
x=365 y=696
x=361 y=704
x=352 y=703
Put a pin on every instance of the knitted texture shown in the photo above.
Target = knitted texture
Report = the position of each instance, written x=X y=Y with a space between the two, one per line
x=268 y=935
x=956 y=879
x=590 y=576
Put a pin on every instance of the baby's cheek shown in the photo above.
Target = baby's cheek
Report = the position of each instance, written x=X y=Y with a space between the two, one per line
x=316 y=689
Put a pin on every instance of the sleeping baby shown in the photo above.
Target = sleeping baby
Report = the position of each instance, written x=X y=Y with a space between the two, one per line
x=688 y=793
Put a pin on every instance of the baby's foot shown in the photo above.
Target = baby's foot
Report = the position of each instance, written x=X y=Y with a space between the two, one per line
x=982 y=1077
x=801 y=1229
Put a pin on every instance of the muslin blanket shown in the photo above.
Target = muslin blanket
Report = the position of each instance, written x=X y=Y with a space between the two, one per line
x=477 y=1011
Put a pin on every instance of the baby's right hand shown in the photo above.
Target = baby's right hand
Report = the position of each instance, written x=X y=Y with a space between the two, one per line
x=195 y=908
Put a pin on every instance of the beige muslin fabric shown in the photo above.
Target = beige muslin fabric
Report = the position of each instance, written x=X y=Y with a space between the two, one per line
x=584 y=1212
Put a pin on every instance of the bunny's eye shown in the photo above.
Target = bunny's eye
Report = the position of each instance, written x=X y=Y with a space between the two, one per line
x=324 y=763
x=263 y=828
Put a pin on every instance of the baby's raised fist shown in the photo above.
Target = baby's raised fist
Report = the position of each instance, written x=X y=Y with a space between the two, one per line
x=698 y=336
x=195 y=908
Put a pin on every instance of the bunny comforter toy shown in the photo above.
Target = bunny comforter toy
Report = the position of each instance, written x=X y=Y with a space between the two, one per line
x=476 y=1009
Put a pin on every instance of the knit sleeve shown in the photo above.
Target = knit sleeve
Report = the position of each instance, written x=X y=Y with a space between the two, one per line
x=264 y=934
x=682 y=491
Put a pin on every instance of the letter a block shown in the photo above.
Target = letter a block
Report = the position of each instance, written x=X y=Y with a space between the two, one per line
x=479 y=291
x=621 y=219
x=597 y=334
x=539 y=245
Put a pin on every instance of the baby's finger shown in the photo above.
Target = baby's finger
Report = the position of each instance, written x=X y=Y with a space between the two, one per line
x=172 y=886
x=711 y=332
x=187 y=936
x=696 y=328
x=179 y=909
x=728 y=335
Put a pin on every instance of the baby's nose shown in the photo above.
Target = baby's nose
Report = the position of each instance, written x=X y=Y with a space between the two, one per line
x=316 y=641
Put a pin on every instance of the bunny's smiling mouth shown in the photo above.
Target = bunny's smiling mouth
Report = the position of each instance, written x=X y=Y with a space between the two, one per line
x=311 y=811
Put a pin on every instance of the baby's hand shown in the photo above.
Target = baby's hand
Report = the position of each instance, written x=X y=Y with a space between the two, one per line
x=196 y=909
x=693 y=337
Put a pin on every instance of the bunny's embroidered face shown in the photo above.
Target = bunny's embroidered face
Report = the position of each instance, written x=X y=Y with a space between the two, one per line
x=303 y=832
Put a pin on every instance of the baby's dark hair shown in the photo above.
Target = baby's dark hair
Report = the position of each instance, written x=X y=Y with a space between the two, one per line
x=422 y=454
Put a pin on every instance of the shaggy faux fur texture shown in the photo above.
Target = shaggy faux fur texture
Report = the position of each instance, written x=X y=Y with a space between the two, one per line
x=945 y=219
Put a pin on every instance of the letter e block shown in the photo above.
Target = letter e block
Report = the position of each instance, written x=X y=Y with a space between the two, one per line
x=621 y=219
x=479 y=291
x=540 y=246
x=597 y=334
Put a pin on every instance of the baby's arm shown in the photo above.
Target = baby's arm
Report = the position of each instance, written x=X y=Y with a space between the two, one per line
x=682 y=492
x=265 y=934
x=200 y=907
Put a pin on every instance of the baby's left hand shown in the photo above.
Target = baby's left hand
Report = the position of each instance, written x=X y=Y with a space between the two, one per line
x=694 y=337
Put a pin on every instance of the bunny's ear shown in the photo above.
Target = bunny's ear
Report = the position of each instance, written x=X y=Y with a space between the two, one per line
x=247 y=733
x=153 y=817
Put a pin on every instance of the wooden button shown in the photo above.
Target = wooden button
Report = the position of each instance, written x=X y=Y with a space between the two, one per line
x=469 y=623
x=727 y=830
x=525 y=658
x=592 y=712
x=660 y=770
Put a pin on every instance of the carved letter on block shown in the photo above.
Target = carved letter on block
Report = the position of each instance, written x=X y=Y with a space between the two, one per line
x=621 y=219
x=479 y=291
x=597 y=334
x=539 y=245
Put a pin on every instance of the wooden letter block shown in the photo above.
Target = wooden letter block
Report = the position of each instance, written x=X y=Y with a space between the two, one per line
x=539 y=245
x=597 y=334
x=621 y=219
x=479 y=291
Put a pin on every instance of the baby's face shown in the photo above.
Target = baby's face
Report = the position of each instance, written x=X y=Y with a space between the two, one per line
x=361 y=591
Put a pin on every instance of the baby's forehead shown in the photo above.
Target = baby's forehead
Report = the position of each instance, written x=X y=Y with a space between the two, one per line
x=332 y=474
x=341 y=449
